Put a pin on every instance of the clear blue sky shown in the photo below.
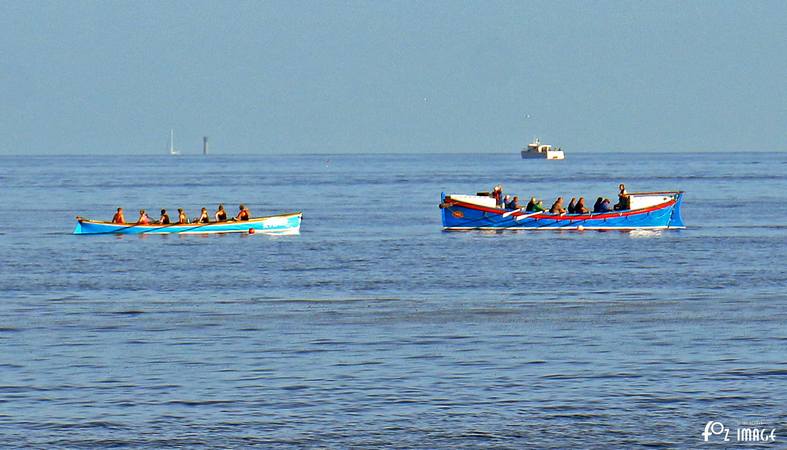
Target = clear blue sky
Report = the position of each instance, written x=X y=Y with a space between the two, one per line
x=395 y=76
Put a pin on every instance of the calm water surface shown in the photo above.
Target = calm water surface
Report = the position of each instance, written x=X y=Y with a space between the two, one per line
x=373 y=328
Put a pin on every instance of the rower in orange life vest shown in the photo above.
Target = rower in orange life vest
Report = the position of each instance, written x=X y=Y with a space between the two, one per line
x=143 y=217
x=118 y=217
x=243 y=214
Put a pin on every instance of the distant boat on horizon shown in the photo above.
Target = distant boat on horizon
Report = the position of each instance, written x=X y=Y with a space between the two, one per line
x=537 y=150
x=172 y=150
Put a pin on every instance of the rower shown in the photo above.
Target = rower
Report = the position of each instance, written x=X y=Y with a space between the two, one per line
x=143 y=217
x=164 y=220
x=557 y=207
x=118 y=217
x=221 y=215
x=580 y=206
x=243 y=214
x=203 y=216
x=182 y=217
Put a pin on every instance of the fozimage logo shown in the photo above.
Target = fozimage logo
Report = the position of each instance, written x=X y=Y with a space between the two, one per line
x=753 y=432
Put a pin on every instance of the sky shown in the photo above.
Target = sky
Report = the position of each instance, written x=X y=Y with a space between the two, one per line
x=92 y=77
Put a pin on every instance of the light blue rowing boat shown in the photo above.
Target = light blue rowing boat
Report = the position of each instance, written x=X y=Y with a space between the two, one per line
x=289 y=223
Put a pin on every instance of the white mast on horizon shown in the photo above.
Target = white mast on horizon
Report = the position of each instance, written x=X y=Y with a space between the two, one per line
x=172 y=150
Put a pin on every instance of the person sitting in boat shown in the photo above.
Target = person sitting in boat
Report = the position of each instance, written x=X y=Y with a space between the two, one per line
x=506 y=201
x=143 y=217
x=182 y=217
x=572 y=205
x=164 y=220
x=243 y=213
x=203 y=216
x=534 y=205
x=513 y=203
x=606 y=206
x=597 y=205
x=221 y=215
x=557 y=207
x=580 y=207
x=623 y=198
x=118 y=217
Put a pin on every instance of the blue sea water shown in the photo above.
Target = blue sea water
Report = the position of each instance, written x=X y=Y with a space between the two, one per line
x=373 y=328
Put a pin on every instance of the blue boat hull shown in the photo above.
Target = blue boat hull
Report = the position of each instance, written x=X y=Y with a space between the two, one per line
x=466 y=216
x=280 y=224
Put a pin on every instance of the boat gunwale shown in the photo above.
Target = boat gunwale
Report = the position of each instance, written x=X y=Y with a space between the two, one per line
x=567 y=216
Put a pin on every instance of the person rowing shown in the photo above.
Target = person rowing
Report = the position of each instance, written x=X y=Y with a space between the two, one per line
x=118 y=217
x=221 y=215
x=143 y=218
x=580 y=207
x=164 y=220
x=557 y=207
x=182 y=217
x=243 y=213
x=203 y=216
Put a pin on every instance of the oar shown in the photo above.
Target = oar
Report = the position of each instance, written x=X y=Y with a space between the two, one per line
x=526 y=216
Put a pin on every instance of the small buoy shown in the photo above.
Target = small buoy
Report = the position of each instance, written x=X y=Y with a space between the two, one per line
x=251 y=230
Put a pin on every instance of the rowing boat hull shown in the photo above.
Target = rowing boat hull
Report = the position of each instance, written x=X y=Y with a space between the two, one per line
x=458 y=215
x=279 y=224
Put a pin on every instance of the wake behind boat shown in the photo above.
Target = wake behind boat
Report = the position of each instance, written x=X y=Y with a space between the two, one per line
x=289 y=223
x=645 y=211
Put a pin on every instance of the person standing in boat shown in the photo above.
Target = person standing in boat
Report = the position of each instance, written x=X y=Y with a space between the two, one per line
x=143 y=217
x=182 y=217
x=623 y=198
x=557 y=207
x=580 y=207
x=203 y=216
x=497 y=193
x=572 y=205
x=221 y=215
x=164 y=220
x=243 y=213
x=118 y=217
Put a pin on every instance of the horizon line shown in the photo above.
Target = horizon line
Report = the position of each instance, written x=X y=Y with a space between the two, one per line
x=199 y=154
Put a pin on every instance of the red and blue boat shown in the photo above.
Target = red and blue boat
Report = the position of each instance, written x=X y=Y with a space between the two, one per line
x=289 y=223
x=647 y=211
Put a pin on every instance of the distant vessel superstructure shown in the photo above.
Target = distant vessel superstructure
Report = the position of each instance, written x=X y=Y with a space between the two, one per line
x=537 y=150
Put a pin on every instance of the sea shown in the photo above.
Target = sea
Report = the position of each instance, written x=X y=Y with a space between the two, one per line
x=373 y=328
